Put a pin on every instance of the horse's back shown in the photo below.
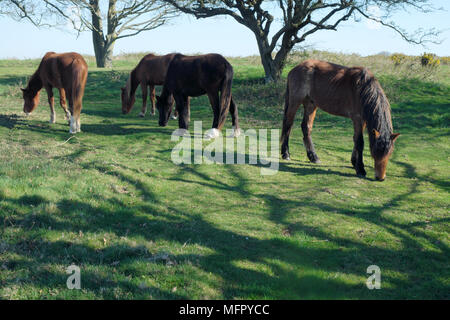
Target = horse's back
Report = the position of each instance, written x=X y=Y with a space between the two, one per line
x=153 y=68
x=60 y=69
x=203 y=69
x=330 y=86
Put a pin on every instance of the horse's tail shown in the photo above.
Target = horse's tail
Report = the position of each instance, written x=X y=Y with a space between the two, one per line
x=225 y=95
x=79 y=77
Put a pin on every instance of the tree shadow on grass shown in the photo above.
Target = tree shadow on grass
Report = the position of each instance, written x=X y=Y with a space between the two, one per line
x=243 y=266
x=238 y=260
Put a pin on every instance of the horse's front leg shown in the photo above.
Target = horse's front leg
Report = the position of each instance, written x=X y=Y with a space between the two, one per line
x=357 y=154
x=144 y=100
x=62 y=102
x=290 y=109
x=182 y=106
x=51 y=102
x=152 y=98
x=307 y=124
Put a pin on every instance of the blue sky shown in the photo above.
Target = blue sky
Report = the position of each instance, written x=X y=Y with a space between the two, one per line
x=223 y=35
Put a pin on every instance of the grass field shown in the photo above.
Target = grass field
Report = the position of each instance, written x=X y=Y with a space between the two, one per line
x=110 y=200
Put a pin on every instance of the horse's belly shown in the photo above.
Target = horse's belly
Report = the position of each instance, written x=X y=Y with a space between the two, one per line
x=194 y=92
x=335 y=107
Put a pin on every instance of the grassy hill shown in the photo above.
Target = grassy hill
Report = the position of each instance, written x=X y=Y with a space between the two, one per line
x=111 y=201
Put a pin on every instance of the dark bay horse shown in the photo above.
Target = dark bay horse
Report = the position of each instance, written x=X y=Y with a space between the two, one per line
x=150 y=72
x=193 y=76
x=349 y=92
x=65 y=71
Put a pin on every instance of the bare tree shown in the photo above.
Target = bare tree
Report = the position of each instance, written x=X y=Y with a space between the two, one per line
x=23 y=9
x=299 y=19
x=108 y=21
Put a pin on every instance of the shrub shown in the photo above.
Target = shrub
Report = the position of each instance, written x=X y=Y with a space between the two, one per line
x=398 y=58
x=430 y=60
x=445 y=60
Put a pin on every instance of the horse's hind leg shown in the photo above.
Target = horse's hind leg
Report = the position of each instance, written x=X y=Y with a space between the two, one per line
x=307 y=124
x=215 y=102
x=357 y=154
x=75 y=105
x=234 y=118
x=62 y=102
x=144 y=99
x=51 y=102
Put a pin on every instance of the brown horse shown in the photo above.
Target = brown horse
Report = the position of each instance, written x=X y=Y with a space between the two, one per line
x=68 y=73
x=193 y=76
x=149 y=72
x=349 y=92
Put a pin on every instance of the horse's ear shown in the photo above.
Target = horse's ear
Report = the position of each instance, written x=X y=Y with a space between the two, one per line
x=375 y=133
x=23 y=90
x=394 y=136
x=123 y=88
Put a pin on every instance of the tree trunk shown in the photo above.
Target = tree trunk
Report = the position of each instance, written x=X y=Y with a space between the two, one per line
x=272 y=67
x=103 y=46
x=103 y=51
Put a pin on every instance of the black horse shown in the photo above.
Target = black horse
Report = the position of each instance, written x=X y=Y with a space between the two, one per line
x=193 y=76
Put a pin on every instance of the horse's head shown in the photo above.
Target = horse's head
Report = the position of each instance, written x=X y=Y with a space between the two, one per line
x=164 y=106
x=31 y=100
x=382 y=146
x=127 y=96
x=127 y=102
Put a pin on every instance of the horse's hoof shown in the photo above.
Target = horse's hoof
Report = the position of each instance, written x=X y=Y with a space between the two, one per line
x=361 y=174
x=142 y=115
x=212 y=134
x=236 y=133
x=313 y=157
x=286 y=156
x=174 y=117
x=180 y=132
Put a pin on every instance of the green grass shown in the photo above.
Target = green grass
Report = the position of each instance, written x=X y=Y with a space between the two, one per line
x=111 y=201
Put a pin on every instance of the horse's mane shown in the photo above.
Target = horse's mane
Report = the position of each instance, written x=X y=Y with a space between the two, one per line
x=128 y=86
x=130 y=81
x=376 y=110
x=35 y=82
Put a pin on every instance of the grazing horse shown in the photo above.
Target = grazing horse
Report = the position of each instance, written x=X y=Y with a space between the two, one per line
x=149 y=72
x=349 y=92
x=65 y=71
x=193 y=76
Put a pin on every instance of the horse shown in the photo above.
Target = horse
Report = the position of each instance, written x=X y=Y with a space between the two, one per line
x=349 y=92
x=65 y=71
x=193 y=76
x=149 y=72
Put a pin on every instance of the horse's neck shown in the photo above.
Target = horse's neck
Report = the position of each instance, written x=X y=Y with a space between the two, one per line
x=165 y=93
x=35 y=83
x=134 y=83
